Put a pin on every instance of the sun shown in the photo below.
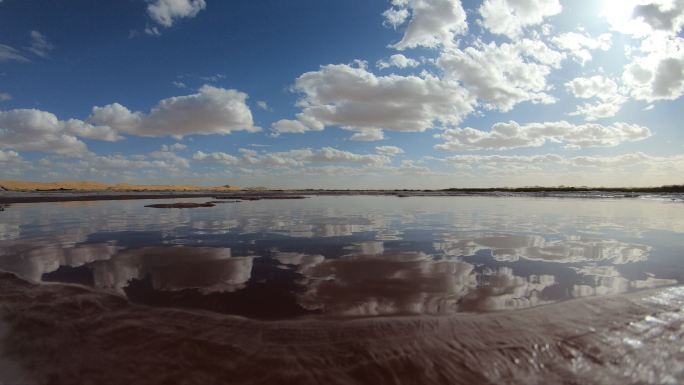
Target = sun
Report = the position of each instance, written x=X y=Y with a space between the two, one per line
x=619 y=15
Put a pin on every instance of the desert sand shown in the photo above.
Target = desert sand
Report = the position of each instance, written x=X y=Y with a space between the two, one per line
x=17 y=185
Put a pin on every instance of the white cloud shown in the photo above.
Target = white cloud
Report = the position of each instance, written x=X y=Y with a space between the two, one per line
x=601 y=88
x=166 y=12
x=263 y=105
x=478 y=160
x=179 y=84
x=433 y=23
x=35 y=130
x=173 y=147
x=213 y=78
x=357 y=100
x=510 y=17
x=395 y=17
x=399 y=61
x=8 y=53
x=368 y=135
x=641 y=18
x=666 y=164
x=9 y=156
x=580 y=45
x=152 y=31
x=659 y=75
x=510 y=135
x=333 y=155
x=288 y=126
x=40 y=45
x=210 y=111
x=166 y=163
x=410 y=167
x=12 y=165
x=661 y=15
x=503 y=75
x=599 y=110
x=220 y=157
x=389 y=150
x=592 y=87
x=4 y=96
x=86 y=130
x=294 y=158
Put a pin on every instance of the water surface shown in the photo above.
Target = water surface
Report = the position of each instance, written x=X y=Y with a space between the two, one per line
x=355 y=256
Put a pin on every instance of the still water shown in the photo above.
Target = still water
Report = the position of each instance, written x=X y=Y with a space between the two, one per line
x=350 y=256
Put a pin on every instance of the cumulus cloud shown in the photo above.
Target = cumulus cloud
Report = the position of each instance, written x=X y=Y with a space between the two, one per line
x=36 y=130
x=592 y=87
x=368 y=135
x=166 y=12
x=220 y=157
x=602 y=88
x=173 y=147
x=4 y=96
x=389 y=283
x=40 y=45
x=659 y=74
x=673 y=163
x=294 y=158
x=289 y=126
x=503 y=75
x=9 y=156
x=510 y=135
x=389 y=150
x=433 y=23
x=8 y=53
x=121 y=166
x=510 y=17
x=395 y=17
x=600 y=109
x=579 y=45
x=399 y=61
x=332 y=155
x=355 y=99
x=661 y=15
x=210 y=111
x=641 y=18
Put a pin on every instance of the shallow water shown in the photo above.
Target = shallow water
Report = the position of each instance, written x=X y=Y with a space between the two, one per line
x=360 y=256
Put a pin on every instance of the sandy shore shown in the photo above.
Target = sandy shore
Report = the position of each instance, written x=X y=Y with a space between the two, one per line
x=67 y=334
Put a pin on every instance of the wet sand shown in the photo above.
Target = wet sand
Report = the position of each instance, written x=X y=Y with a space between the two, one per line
x=64 y=334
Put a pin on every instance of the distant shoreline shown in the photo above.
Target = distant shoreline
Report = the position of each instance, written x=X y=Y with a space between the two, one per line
x=37 y=196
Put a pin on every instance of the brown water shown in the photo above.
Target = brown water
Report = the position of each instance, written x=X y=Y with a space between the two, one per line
x=344 y=290
x=351 y=256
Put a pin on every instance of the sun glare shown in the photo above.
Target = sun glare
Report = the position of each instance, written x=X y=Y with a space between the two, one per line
x=619 y=14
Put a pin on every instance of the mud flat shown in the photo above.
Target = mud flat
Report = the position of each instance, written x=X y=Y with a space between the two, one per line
x=180 y=205
x=63 y=334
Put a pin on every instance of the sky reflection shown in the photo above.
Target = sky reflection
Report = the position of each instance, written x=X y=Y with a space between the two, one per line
x=351 y=256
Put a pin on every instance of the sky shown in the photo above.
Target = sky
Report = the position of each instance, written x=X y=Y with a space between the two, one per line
x=418 y=94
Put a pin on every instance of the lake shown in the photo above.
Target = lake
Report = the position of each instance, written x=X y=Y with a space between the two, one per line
x=350 y=256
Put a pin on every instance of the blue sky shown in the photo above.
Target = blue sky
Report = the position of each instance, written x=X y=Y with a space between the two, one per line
x=343 y=94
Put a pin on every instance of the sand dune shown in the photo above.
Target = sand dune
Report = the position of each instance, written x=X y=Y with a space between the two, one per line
x=17 y=185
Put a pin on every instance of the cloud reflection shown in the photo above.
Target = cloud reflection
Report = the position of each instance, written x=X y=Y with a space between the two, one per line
x=412 y=283
x=175 y=268
x=573 y=249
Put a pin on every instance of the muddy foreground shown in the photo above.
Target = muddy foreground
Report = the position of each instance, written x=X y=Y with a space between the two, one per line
x=61 y=334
